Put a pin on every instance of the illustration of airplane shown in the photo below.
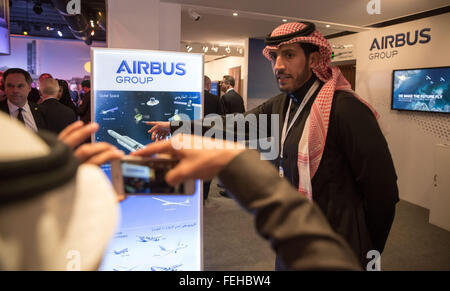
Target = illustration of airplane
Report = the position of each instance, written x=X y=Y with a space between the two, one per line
x=442 y=79
x=165 y=252
x=427 y=77
x=110 y=110
x=150 y=238
x=121 y=252
x=120 y=268
x=167 y=203
x=172 y=268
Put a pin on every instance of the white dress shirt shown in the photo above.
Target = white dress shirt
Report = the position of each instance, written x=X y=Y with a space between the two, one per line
x=26 y=113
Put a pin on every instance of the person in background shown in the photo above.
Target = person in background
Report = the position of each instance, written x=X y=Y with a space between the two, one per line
x=34 y=96
x=211 y=105
x=211 y=102
x=64 y=96
x=231 y=101
x=296 y=228
x=2 y=88
x=56 y=115
x=17 y=88
x=84 y=110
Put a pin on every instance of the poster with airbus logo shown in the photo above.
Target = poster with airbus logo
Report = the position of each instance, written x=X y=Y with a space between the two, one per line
x=130 y=88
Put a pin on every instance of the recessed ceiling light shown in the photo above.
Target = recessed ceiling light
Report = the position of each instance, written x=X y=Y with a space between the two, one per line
x=327 y=26
x=284 y=20
x=235 y=14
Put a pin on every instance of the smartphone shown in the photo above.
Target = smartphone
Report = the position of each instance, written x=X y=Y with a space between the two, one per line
x=146 y=176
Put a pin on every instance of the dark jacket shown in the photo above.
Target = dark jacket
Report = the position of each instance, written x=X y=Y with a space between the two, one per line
x=211 y=104
x=67 y=101
x=296 y=228
x=35 y=111
x=232 y=102
x=56 y=115
x=84 y=111
x=34 y=96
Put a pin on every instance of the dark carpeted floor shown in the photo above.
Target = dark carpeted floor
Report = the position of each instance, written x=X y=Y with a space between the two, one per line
x=231 y=243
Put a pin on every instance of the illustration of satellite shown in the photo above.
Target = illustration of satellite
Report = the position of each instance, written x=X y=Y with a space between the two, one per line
x=152 y=101
x=171 y=268
x=109 y=110
x=125 y=141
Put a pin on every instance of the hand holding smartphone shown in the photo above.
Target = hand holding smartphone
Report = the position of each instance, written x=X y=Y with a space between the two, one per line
x=134 y=175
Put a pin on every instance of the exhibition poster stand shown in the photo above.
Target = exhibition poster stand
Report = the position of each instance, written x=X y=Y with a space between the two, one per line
x=130 y=87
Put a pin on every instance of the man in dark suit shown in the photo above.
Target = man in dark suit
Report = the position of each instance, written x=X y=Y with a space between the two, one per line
x=232 y=102
x=211 y=105
x=57 y=115
x=211 y=102
x=84 y=110
x=17 y=87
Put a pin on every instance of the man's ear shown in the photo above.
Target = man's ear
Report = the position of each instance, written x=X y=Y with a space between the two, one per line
x=314 y=59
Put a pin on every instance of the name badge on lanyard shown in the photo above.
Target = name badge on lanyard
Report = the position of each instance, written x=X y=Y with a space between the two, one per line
x=287 y=128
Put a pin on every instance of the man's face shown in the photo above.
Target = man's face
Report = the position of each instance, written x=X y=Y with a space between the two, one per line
x=290 y=67
x=223 y=86
x=17 y=89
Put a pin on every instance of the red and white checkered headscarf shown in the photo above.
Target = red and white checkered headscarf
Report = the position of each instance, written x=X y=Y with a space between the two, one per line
x=312 y=142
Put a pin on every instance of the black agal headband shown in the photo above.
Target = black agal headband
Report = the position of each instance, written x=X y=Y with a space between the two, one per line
x=276 y=40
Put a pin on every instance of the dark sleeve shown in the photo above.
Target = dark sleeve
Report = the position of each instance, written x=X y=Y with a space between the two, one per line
x=65 y=100
x=84 y=106
x=363 y=143
x=295 y=226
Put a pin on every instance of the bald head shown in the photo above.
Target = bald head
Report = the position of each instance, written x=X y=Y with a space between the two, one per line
x=49 y=88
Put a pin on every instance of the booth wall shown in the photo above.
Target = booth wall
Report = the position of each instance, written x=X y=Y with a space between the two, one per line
x=411 y=136
x=261 y=81
x=64 y=59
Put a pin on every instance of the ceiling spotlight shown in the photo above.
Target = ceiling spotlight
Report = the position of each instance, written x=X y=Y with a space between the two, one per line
x=327 y=26
x=194 y=15
x=60 y=33
x=188 y=48
x=205 y=49
x=228 y=50
x=284 y=20
x=92 y=33
x=49 y=28
x=235 y=14
x=25 y=32
x=215 y=49
x=37 y=8
x=240 y=50
x=92 y=23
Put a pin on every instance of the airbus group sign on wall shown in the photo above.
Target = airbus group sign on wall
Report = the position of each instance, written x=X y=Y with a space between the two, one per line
x=388 y=46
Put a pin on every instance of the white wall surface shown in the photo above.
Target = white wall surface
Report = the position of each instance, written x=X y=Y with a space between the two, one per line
x=62 y=58
x=411 y=136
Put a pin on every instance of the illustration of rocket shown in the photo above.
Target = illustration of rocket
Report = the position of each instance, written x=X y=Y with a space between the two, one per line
x=125 y=141
x=110 y=110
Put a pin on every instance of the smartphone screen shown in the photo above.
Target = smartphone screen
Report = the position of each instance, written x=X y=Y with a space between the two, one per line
x=148 y=178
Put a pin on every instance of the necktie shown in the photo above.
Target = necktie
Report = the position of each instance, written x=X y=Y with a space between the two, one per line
x=20 y=116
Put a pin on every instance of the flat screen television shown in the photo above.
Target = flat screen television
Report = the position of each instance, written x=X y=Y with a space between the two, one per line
x=214 y=88
x=424 y=89
x=4 y=28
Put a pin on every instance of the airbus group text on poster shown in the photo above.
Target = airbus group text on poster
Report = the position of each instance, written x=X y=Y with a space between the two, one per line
x=129 y=88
